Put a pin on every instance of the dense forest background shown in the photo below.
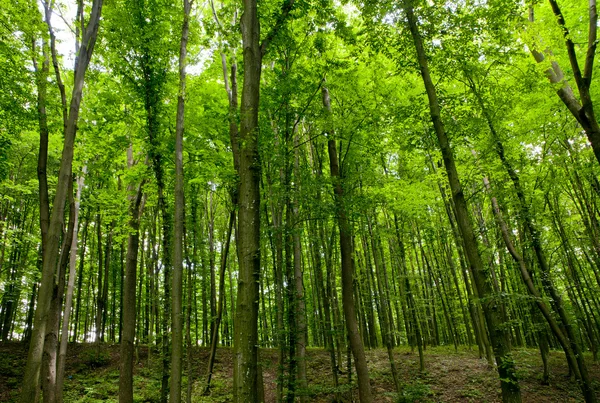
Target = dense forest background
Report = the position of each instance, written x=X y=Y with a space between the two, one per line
x=312 y=173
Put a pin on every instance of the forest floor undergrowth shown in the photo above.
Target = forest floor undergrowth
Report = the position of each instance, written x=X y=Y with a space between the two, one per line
x=450 y=376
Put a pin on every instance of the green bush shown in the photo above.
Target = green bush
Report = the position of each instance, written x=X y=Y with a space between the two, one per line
x=416 y=392
x=96 y=359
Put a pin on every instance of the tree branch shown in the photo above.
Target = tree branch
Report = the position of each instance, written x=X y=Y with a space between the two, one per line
x=59 y=82
x=591 y=50
x=286 y=8
x=570 y=45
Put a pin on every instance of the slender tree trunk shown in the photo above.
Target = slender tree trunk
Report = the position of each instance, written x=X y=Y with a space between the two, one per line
x=506 y=367
x=356 y=345
x=50 y=355
x=107 y=263
x=210 y=216
x=300 y=305
x=410 y=297
x=129 y=296
x=42 y=81
x=188 y=319
x=80 y=278
x=101 y=280
x=215 y=336
x=176 y=313
x=60 y=366
x=386 y=328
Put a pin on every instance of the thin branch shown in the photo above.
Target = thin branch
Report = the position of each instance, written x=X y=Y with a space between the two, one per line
x=59 y=82
x=570 y=45
x=591 y=51
x=214 y=12
x=286 y=8
x=303 y=111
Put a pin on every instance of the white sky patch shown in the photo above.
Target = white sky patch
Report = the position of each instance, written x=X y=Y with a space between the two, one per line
x=533 y=150
x=63 y=20
x=350 y=10
x=202 y=61
x=63 y=12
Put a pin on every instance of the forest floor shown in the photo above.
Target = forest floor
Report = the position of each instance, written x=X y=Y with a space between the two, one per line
x=450 y=376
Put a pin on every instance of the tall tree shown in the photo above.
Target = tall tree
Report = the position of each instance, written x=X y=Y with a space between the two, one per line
x=245 y=375
x=129 y=297
x=34 y=357
x=498 y=337
x=356 y=344
x=176 y=313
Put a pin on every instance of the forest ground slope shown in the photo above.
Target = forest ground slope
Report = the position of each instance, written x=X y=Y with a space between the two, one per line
x=450 y=376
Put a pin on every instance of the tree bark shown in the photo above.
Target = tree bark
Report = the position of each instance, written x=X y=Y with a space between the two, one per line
x=245 y=379
x=60 y=365
x=215 y=335
x=356 y=344
x=497 y=334
x=32 y=369
x=129 y=296
x=300 y=306
x=176 y=312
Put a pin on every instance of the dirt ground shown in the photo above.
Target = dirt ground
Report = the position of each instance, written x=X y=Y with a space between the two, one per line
x=450 y=376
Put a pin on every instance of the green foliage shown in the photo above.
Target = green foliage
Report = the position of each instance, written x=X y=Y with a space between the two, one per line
x=396 y=190
x=415 y=392
x=472 y=393
x=96 y=358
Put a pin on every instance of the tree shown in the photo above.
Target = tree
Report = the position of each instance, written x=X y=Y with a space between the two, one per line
x=504 y=361
x=356 y=344
x=177 y=313
x=248 y=234
x=32 y=369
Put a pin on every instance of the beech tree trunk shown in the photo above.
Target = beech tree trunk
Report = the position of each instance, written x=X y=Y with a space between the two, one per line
x=497 y=334
x=356 y=344
x=245 y=370
x=300 y=306
x=64 y=338
x=176 y=312
x=32 y=369
x=215 y=335
x=245 y=379
x=129 y=296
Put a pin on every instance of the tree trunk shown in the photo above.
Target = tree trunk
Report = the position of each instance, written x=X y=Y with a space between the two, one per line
x=386 y=328
x=300 y=306
x=50 y=354
x=506 y=367
x=215 y=336
x=176 y=313
x=245 y=379
x=129 y=296
x=60 y=366
x=29 y=392
x=356 y=345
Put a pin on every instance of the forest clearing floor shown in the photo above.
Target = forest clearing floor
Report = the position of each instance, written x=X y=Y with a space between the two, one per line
x=450 y=376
